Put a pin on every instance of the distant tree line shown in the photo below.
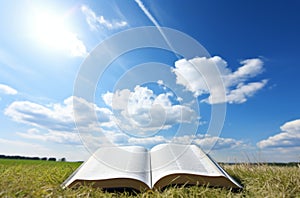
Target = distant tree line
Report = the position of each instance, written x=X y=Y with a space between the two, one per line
x=264 y=163
x=31 y=158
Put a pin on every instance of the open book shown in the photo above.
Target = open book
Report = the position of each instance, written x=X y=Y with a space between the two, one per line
x=138 y=168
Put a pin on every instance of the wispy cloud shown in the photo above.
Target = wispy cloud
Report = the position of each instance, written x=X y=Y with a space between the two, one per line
x=243 y=91
x=147 y=141
x=97 y=21
x=237 y=90
x=237 y=86
x=5 y=89
x=51 y=136
x=15 y=147
x=210 y=142
x=147 y=13
x=25 y=148
x=57 y=116
x=206 y=142
x=8 y=61
x=56 y=122
x=154 y=21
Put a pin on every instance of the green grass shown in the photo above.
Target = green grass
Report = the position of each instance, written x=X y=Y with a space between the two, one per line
x=29 y=178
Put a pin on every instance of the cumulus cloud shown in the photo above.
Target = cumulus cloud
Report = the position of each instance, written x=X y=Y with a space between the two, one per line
x=55 y=122
x=141 y=111
x=190 y=74
x=289 y=137
x=96 y=22
x=5 y=89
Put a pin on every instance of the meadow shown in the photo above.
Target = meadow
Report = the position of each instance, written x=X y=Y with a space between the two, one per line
x=37 y=178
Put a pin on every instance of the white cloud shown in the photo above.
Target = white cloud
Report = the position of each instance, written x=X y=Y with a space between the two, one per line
x=154 y=21
x=237 y=88
x=187 y=74
x=206 y=142
x=96 y=22
x=147 y=13
x=147 y=141
x=56 y=123
x=5 y=89
x=15 y=147
x=209 y=142
x=289 y=137
x=250 y=68
x=244 y=91
x=87 y=113
x=147 y=112
x=117 y=100
x=68 y=42
x=52 y=136
x=74 y=45
x=143 y=111
x=160 y=82
x=221 y=143
x=57 y=117
x=280 y=154
x=59 y=38
x=292 y=126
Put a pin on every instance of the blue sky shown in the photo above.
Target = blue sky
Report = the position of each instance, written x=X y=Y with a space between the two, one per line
x=45 y=44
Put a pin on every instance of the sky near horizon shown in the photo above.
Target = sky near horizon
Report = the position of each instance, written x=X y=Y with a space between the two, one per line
x=254 y=45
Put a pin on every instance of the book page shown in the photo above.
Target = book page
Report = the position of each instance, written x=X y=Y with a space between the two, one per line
x=115 y=162
x=169 y=159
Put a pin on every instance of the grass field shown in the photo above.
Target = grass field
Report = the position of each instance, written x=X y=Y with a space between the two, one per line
x=34 y=178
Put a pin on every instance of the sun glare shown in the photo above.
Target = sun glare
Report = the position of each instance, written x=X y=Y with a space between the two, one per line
x=51 y=31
